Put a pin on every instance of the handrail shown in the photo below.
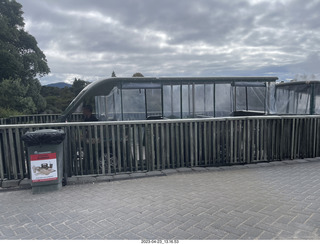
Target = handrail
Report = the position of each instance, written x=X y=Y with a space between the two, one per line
x=112 y=147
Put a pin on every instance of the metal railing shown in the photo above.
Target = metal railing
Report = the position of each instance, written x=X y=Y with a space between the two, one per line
x=37 y=118
x=107 y=148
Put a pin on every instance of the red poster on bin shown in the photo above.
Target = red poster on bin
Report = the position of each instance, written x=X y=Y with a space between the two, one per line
x=43 y=167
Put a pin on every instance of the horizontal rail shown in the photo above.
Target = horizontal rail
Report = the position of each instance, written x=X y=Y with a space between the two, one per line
x=107 y=148
x=37 y=118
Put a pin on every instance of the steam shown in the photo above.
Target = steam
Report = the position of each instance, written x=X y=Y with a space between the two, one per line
x=306 y=77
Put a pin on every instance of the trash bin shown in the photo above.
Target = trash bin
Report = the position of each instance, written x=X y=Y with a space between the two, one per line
x=45 y=150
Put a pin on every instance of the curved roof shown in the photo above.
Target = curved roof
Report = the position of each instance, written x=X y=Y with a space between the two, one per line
x=104 y=87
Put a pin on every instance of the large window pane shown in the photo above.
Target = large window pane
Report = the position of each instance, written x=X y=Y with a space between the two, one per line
x=133 y=104
x=222 y=100
x=240 y=98
x=208 y=100
x=172 y=101
x=317 y=99
x=187 y=101
x=199 y=99
x=109 y=107
x=154 y=103
x=256 y=98
x=293 y=99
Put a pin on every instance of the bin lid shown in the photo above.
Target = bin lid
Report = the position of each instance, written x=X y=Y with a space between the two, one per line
x=42 y=137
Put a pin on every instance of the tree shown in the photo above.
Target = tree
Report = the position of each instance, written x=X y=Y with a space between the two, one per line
x=57 y=99
x=78 y=86
x=21 y=60
x=137 y=75
x=20 y=55
x=14 y=100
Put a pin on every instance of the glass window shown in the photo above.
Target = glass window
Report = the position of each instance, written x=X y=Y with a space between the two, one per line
x=187 y=101
x=256 y=98
x=293 y=99
x=172 y=101
x=154 y=103
x=199 y=96
x=133 y=101
x=241 y=98
x=208 y=100
x=109 y=107
x=223 y=100
x=317 y=99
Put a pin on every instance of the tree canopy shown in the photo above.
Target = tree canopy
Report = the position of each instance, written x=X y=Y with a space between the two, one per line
x=58 y=99
x=78 y=85
x=138 y=74
x=21 y=62
x=20 y=55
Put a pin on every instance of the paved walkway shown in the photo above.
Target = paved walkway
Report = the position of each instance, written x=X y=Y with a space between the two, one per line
x=279 y=200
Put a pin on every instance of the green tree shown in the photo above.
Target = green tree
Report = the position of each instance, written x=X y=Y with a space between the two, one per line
x=137 y=75
x=14 y=100
x=21 y=60
x=57 y=99
x=78 y=85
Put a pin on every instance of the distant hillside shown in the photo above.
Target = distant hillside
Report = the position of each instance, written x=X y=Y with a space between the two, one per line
x=59 y=85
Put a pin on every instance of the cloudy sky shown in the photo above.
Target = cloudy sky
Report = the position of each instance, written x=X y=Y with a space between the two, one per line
x=88 y=39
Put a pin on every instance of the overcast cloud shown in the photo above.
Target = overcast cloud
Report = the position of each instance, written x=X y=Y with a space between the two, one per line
x=90 y=39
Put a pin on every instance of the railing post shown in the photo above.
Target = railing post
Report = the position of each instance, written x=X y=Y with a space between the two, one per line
x=1 y=158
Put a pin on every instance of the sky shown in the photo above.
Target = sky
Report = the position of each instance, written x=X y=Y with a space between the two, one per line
x=89 y=39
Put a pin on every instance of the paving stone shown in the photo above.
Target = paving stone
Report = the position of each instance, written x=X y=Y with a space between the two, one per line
x=187 y=225
x=7 y=232
x=314 y=220
x=266 y=235
x=252 y=221
x=251 y=232
x=148 y=235
x=232 y=230
x=164 y=235
x=280 y=201
x=198 y=233
x=284 y=219
x=286 y=235
x=304 y=235
x=129 y=236
x=180 y=234
x=231 y=236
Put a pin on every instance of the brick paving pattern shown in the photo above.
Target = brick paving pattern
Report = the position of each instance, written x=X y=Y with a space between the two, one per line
x=277 y=200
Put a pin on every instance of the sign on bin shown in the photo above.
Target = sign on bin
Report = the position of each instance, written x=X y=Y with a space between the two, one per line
x=44 y=167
